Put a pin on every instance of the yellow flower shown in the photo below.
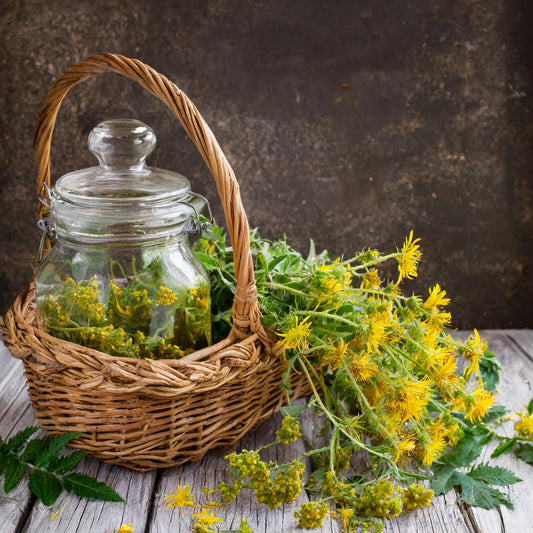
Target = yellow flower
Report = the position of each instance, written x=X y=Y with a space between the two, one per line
x=370 y=279
x=334 y=357
x=524 y=427
x=433 y=446
x=363 y=367
x=409 y=258
x=416 y=496
x=164 y=296
x=54 y=516
x=411 y=398
x=126 y=528
x=296 y=336
x=376 y=333
x=436 y=298
x=404 y=448
x=475 y=351
x=205 y=518
x=181 y=498
x=346 y=513
x=478 y=403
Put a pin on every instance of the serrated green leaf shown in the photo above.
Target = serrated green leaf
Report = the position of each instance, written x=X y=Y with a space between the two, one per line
x=62 y=465
x=493 y=475
x=444 y=480
x=525 y=452
x=16 y=443
x=495 y=412
x=503 y=447
x=88 y=487
x=530 y=407
x=34 y=449
x=479 y=494
x=45 y=486
x=14 y=470
x=292 y=410
x=489 y=370
x=467 y=450
x=54 y=446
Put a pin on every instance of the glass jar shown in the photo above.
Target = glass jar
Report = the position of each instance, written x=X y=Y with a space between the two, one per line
x=121 y=276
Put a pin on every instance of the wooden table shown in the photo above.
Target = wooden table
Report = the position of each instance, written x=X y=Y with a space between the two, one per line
x=144 y=492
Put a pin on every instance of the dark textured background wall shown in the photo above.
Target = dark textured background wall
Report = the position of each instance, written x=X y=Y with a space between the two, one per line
x=350 y=122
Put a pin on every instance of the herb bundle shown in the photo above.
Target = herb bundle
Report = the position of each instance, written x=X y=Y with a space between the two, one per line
x=385 y=380
x=133 y=315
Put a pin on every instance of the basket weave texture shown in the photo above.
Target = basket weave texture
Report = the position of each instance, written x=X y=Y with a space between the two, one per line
x=140 y=413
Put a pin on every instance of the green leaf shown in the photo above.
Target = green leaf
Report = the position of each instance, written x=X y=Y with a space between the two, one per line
x=503 y=447
x=34 y=449
x=467 y=450
x=479 y=494
x=62 y=465
x=530 y=407
x=45 y=486
x=53 y=447
x=525 y=452
x=489 y=370
x=88 y=487
x=292 y=410
x=444 y=480
x=16 y=443
x=14 y=470
x=495 y=412
x=493 y=475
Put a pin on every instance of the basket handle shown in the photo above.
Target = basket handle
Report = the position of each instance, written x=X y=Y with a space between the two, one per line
x=246 y=316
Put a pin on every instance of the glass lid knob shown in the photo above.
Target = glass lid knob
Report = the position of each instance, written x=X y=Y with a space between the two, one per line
x=122 y=142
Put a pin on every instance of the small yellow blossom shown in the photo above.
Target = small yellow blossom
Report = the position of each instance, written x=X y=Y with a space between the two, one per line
x=205 y=518
x=296 y=336
x=416 y=496
x=311 y=514
x=289 y=431
x=524 y=427
x=478 y=403
x=409 y=258
x=363 y=367
x=376 y=333
x=126 y=528
x=436 y=298
x=404 y=448
x=181 y=498
x=334 y=357
x=54 y=516
x=370 y=279
x=411 y=398
x=474 y=353
x=346 y=513
x=165 y=296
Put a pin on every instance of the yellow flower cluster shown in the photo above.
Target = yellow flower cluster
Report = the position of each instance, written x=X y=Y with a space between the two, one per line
x=289 y=431
x=311 y=514
x=524 y=427
x=285 y=487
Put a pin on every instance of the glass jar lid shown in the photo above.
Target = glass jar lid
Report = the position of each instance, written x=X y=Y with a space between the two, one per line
x=122 y=199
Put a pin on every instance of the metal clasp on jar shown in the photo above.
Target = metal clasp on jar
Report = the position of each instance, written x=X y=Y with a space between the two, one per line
x=193 y=227
x=46 y=224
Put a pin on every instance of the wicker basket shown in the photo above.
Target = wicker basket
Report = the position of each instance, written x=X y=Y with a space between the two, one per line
x=140 y=413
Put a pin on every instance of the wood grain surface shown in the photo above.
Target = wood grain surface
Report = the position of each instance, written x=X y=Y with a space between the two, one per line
x=144 y=492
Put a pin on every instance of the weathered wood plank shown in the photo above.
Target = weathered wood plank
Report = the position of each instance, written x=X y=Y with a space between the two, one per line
x=15 y=414
x=515 y=390
x=445 y=514
x=523 y=338
x=82 y=515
